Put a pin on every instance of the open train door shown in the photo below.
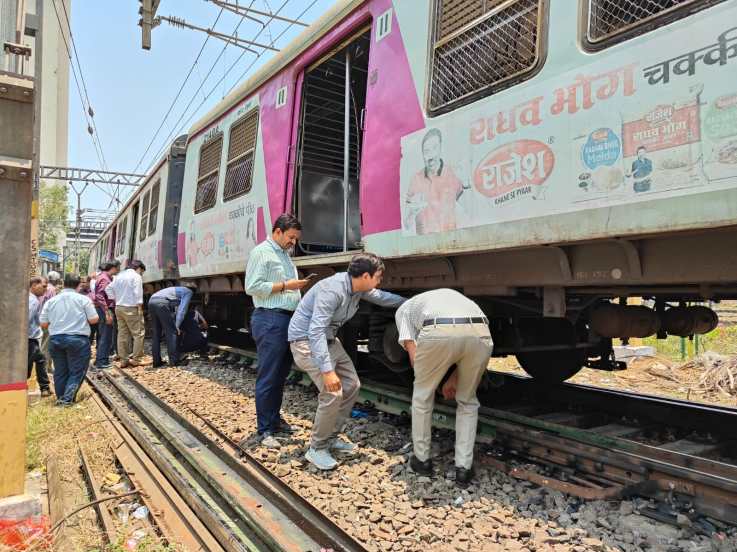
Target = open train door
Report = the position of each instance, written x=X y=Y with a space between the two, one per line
x=327 y=176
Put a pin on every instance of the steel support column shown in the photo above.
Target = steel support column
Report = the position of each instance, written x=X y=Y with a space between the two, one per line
x=16 y=186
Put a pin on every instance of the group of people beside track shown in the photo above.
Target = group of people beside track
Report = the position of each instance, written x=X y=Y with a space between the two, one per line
x=438 y=329
x=105 y=309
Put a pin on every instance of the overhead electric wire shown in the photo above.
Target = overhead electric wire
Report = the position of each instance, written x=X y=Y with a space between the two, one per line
x=84 y=83
x=179 y=93
x=95 y=142
x=194 y=96
x=250 y=66
x=90 y=123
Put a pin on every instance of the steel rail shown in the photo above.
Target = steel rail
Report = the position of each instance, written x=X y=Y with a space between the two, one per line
x=175 y=520
x=192 y=489
x=279 y=517
x=636 y=468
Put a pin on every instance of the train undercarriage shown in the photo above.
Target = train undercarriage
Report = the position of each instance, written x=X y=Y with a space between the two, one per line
x=594 y=294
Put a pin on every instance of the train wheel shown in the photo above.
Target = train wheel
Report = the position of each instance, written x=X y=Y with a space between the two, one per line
x=553 y=366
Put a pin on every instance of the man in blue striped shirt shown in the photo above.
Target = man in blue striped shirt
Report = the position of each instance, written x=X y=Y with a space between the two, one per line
x=273 y=283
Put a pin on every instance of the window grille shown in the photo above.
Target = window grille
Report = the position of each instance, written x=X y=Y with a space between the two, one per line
x=207 y=176
x=611 y=18
x=144 y=216
x=153 y=210
x=481 y=46
x=241 y=153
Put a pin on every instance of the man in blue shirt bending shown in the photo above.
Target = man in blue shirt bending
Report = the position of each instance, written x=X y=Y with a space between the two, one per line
x=167 y=308
x=312 y=334
x=273 y=284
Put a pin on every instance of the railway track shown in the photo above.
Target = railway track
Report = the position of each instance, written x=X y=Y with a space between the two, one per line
x=242 y=505
x=594 y=443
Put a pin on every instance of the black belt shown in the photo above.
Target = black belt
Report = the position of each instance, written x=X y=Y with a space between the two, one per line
x=462 y=320
x=280 y=311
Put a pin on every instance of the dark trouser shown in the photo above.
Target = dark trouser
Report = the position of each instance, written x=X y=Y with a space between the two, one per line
x=114 y=335
x=163 y=320
x=71 y=354
x=269 y=330
x=36 y=356
x=192 y=341
x=93 y=333
x=104 y=340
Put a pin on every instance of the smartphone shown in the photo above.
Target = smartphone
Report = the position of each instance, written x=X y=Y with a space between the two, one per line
x=311 y=276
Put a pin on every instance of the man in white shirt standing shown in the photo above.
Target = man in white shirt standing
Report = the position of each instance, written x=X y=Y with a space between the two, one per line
x=68 y=316
x=127 y=290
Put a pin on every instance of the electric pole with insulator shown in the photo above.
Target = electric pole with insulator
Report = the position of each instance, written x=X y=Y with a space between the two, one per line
x=147 y=11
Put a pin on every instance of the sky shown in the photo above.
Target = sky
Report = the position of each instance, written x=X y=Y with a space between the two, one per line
x=131 y=89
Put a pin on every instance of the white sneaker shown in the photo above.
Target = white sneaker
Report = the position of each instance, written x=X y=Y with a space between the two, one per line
x=339 y=445
x=321 y=459
x=270 y=442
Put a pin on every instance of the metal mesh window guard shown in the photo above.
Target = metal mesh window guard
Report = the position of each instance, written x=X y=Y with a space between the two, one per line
x=207 y=182
x=241 y=147
x=479 y=46
x=144 y=217
x=153 y=210
x=610 y=18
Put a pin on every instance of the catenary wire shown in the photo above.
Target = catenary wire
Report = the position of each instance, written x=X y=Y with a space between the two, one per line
x=194 y=96
x=179 y=93
x=250 y=66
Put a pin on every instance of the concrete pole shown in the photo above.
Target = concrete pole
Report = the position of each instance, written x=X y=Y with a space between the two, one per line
x=17 y=96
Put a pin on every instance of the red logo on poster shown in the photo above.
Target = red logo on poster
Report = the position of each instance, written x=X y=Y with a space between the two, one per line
x=663 y=128
x=518 y=164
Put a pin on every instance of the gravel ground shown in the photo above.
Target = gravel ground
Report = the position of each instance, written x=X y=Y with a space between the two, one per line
x=381 y=503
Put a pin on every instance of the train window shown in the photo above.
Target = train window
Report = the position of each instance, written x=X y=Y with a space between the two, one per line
x=611 y=21
x=122 y=227
x=482 y=46
x=154 y=208
x=207 y=175
x=241 y=152
x=144 y=216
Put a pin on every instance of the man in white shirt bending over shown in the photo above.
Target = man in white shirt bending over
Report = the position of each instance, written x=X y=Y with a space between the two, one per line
x=127 y=290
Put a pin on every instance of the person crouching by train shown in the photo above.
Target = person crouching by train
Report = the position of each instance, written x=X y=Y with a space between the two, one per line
x=168 y=307
x=105 y=307
x=273 y=283
x=193 y=336
x=312 y=335
x=127 y=290
x=438 y=329
x=68 y=317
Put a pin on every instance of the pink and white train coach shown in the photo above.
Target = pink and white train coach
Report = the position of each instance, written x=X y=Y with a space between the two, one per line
x=549 y=158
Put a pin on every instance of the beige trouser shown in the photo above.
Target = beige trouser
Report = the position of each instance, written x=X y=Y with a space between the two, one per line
x=130 y=327
x=468 y=346
x=333 y=407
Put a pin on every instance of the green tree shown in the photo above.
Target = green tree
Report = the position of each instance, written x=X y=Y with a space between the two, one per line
x=52 y=217
x=70 y=263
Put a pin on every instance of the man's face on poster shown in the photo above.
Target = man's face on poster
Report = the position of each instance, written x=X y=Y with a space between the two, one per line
x=431 y=153
x=641 y=153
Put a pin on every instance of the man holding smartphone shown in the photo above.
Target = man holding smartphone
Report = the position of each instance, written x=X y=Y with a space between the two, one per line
x=273 y=283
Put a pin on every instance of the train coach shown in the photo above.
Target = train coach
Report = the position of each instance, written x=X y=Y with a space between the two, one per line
x=548 y=158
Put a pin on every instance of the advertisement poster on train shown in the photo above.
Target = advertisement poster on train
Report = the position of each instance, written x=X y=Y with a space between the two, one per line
x=658 y=125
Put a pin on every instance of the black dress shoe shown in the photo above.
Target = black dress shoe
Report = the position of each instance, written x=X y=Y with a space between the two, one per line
x=464 y=476
x=285 y=427
x=418 y=466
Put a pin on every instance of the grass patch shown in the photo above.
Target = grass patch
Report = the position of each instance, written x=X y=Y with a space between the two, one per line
x=722 y=340
x=46 y=422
